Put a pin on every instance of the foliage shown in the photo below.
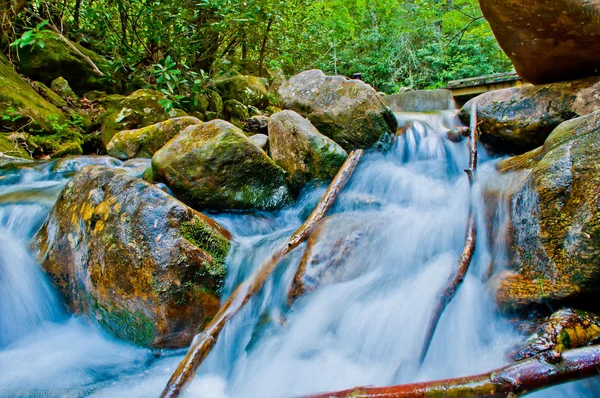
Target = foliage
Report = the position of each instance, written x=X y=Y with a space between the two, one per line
x=32 y=37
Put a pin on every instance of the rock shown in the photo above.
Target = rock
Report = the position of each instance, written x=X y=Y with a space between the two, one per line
x=556 y=221
x=348 y=111
x=75 y=163
x=304 y=153
x=261 y=141
x=563 y=330
x=516 y=120
x=56 y=59
x=249 y=90
x=144 y=266
x=215 y=103
x=140 y=109
x=62 y=88
x=20 y=105
x=11 y=151
x=49 y=95
x=276 y=79
x=547 y=41
x=215 y=166
x=257 y=125
x=144 y=142
x=235 y=112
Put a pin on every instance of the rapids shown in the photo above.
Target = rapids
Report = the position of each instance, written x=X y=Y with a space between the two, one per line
x=405 y=211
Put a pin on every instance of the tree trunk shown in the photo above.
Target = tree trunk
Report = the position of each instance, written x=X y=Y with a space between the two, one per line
x=263 y=48
x=76 y=13
x=518 y=379
x=205 y=341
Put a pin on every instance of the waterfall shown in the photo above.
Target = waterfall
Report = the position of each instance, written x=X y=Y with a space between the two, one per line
x=403 y=218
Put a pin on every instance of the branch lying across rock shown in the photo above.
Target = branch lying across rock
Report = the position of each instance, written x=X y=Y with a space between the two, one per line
x=469 y=248
x=521 y=378
x=205 y=341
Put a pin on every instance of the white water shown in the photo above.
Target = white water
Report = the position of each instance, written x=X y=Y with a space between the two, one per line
x=406 y=213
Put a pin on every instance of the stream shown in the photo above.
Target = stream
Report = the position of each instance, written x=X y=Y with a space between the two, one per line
x=404 y=213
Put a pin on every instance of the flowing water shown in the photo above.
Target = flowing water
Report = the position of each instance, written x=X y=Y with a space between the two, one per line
x=402 y=221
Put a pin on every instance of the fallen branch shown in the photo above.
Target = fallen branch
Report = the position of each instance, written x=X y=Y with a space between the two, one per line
x=68 y=43
x=205 y=341
x=468 y=249
x=521 y=378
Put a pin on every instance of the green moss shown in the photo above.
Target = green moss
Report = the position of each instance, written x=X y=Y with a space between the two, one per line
x=149 y=175
x=202 y=235
x=136 y=326
x=11 y=148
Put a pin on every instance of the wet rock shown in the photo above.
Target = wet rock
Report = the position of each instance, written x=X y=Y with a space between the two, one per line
x=140 y=109
x=249 y=90
x=547 y=41
x=257 y=125
x=304 y=153
x=348 y=111
x=214 y=165
x=144 y=142
x=556 y=220
x=57 y=59
x=62 y=88
x=563 y=330
x=144 y=266
x=261 y=141
x=517 y=120
x=75 y=163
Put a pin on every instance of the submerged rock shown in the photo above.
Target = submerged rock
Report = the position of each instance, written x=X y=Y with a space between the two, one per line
x=215 y=166
x=144 y=266
x=348 y=111
x=516 y=120
x=144 y=142
x=556 y=220
x=304 y=153
x=140 y=109
x=547 y=41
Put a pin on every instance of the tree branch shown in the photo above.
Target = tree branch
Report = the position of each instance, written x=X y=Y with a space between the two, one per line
x=205 y=341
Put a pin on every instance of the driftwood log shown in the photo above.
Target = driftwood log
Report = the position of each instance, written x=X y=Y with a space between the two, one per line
x=205 y=341
x=519 y=379
x=469 y=248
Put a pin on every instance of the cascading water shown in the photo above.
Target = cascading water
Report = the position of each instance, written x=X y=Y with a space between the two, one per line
x=403 y=220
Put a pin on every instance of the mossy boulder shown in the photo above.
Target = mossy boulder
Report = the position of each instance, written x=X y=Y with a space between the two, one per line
x=57 y=59
x=235 y=112
x=215 y=166
x=304 y=153
x=141 y=264
x=555 y=217
x=348 y=111
x=144 y=142
x=61 y=87
x=21 y=105
x=49 y=95
x=140 y=109
x=249 y=90
x=517 y=120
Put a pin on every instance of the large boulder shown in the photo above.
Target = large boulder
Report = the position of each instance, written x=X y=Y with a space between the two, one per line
x=140 y=109
x=556 y=220
x=348 y=111
x=144 y=266
x=304 y=153
x=144 y=142
x=516 y=120
x=249 y=90
x=214 y=165
x=57 y=59
x=547 y=41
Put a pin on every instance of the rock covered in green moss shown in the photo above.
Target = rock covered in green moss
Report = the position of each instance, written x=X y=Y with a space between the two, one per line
x=50 y=95
x=556 y=220
x=249 y=90
x=57 y=59
x=517 y=120
x=304 y=153
x=215 y=166
x=236 y=113
x=61 y=87
x=21 y=105
x=144 y=266
x=348 y=111
x=140 y=109
x=144 y=142
x=11 y=150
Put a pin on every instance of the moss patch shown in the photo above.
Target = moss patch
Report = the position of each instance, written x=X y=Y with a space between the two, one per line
x=202 y=235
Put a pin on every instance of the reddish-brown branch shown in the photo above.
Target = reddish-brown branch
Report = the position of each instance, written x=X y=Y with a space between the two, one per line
x=469 y=248
x=205 y=341
x=518 y=379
